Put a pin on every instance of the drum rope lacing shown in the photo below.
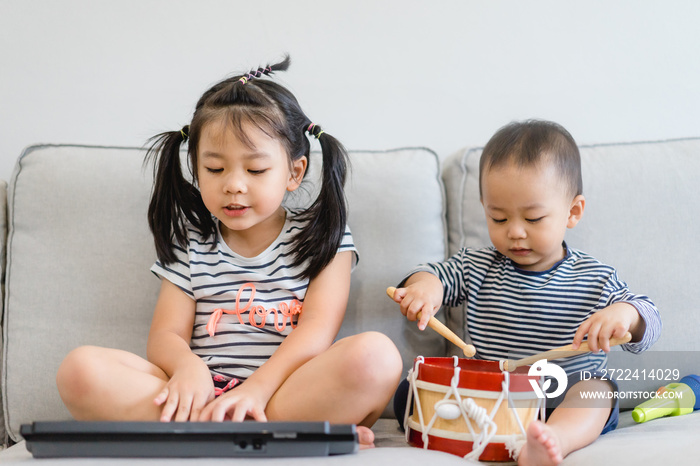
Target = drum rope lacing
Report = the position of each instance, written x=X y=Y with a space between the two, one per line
x=468 y=410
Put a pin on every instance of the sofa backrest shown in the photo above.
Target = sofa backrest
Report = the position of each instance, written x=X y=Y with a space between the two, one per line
x=79 y=252
x=640 y=217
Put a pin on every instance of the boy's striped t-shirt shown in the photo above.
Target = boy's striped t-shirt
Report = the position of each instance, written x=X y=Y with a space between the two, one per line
x=219 y=281
x=514 y=313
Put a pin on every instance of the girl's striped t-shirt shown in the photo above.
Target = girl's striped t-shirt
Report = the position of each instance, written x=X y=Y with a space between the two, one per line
x=252 y=320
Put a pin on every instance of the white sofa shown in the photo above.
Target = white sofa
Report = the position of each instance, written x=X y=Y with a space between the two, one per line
x=77 y=253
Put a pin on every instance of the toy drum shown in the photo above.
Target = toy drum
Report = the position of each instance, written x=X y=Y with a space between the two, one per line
x=469 y=407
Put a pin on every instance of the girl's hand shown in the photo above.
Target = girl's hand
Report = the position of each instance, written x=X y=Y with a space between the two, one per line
x=236 y=405
x=422 y=293
x=613 y=321
x=189 y=390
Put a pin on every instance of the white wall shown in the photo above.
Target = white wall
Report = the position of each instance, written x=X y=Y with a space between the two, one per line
x=375 y=73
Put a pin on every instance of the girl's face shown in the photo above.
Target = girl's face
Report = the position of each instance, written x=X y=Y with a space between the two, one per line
x=243 y=185
x=528 y=210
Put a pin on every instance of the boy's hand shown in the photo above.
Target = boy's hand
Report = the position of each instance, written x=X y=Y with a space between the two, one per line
x=187 y=392
x=613 y=321
x=422 y=293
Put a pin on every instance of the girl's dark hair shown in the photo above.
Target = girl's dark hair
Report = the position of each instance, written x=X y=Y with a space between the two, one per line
x=239 y=100
x=531 y=142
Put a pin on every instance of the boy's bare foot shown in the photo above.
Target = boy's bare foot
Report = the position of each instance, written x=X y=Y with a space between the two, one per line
x=366 y=437
x=542 y=447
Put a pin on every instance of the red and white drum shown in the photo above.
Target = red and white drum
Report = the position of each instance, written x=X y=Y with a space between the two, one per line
x=469 y=407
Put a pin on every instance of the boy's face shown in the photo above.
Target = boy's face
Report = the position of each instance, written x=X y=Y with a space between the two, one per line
x=528 y=211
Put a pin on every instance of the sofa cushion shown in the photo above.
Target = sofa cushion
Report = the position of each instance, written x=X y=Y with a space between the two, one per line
x=396 y=216
x=79 y=253
x=640 y=204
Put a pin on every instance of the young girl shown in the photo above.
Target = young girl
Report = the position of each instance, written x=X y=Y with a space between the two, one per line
x=252 y=294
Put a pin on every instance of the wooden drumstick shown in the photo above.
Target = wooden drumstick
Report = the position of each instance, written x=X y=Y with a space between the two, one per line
x=468 y=350
x=562 y=352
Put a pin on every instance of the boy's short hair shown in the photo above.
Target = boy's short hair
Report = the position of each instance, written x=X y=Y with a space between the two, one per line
x=530 y=143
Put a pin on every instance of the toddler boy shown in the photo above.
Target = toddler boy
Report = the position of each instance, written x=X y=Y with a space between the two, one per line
x=530 y=292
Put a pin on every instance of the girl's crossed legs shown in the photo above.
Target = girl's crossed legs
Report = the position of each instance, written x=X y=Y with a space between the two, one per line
x=350 y=383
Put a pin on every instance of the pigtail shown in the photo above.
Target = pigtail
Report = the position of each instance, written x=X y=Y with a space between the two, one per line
x=327 y=216
x=269 y=69
x=173 y=199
